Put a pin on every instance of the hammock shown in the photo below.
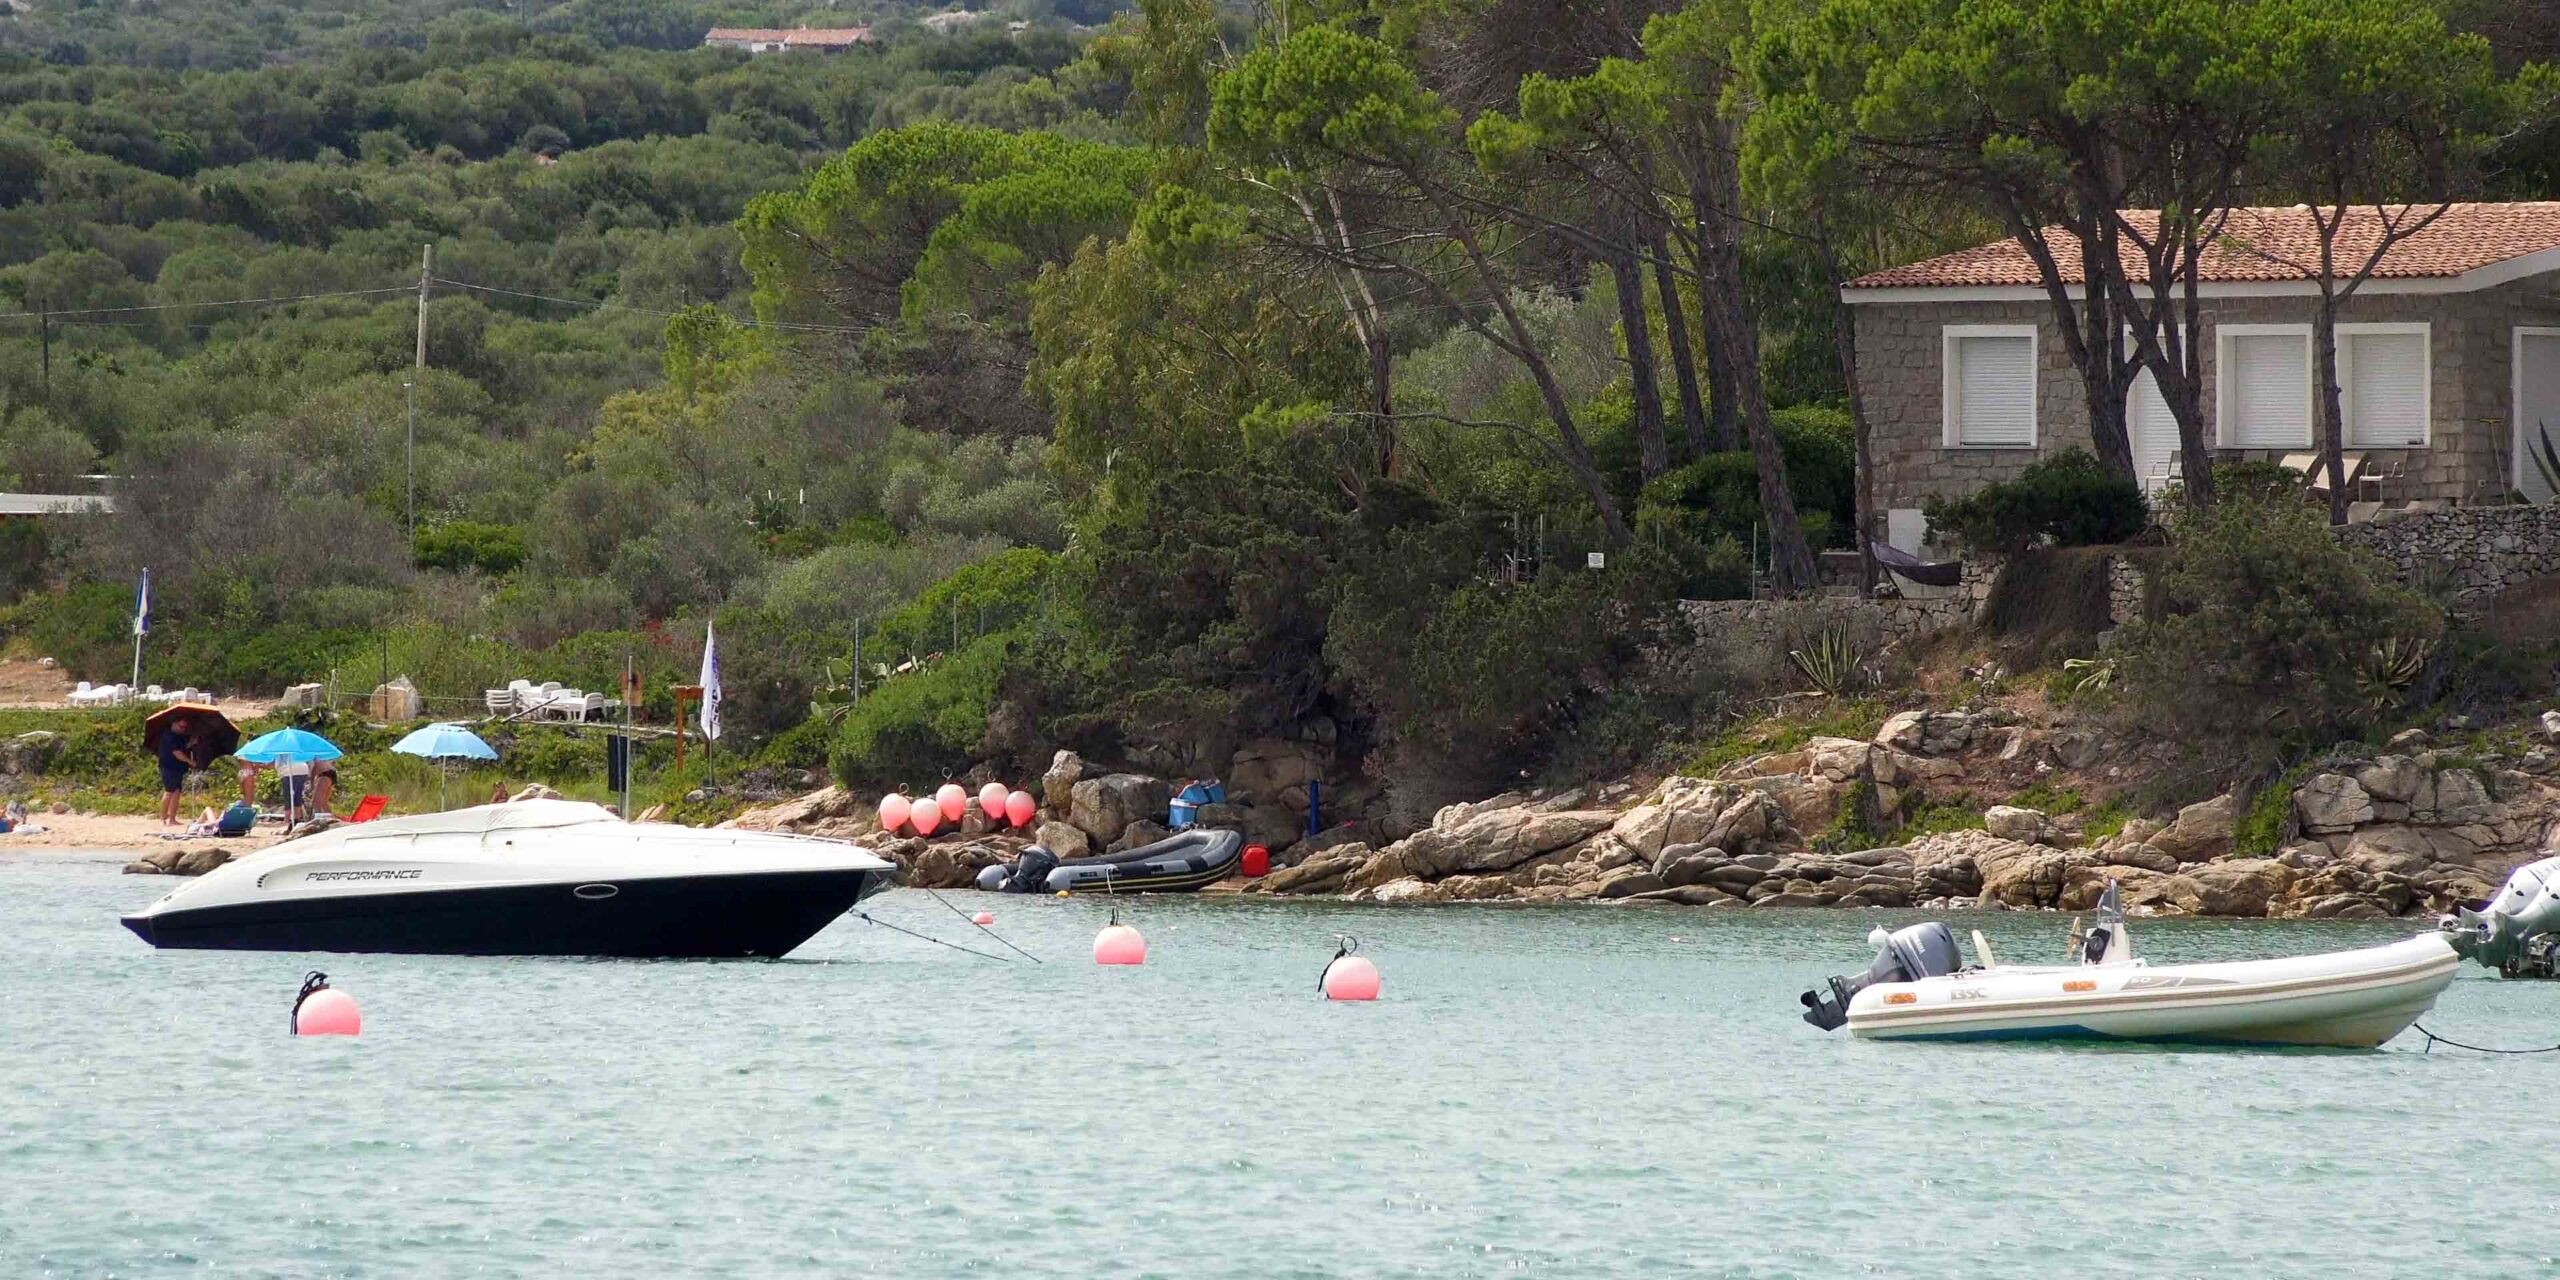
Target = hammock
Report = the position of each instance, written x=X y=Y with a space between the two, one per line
x=1928 y=573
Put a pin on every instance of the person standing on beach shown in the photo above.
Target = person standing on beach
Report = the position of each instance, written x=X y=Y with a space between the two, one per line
x=176 y=757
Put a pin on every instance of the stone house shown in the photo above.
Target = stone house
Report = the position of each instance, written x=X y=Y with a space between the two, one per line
x=2449 y=360
x=786 y=39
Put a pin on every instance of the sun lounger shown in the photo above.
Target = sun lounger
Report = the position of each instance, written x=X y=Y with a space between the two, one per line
x=369 y=808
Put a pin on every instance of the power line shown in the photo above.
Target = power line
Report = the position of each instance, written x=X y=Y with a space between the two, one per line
x=183 y=306
x=791 y=326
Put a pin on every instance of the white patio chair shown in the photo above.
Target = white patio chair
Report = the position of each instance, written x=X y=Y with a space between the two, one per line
x=498 y=701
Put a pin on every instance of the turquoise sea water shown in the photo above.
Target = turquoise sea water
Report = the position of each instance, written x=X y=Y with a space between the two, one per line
x=1554 y=1092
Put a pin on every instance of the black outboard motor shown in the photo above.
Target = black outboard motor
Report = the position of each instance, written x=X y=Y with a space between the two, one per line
x=1907 y=954
x=1031 y=872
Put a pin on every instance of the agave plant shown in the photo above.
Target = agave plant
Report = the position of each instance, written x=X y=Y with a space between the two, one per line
x=1833 y=663
x=2546 y=459
x=2392 y=666
x=2090 y=675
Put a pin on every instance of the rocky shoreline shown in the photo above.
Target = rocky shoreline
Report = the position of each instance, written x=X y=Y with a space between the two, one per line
x=2406 y=831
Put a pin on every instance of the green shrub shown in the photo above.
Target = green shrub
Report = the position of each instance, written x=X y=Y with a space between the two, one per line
x=2066 y=499
x=1718 y=496
x=471 y=544
x=924 y=726
x=2271 y=623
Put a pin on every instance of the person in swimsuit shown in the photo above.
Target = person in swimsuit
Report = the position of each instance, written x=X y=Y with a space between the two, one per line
x=324 y=785
x=176 y=757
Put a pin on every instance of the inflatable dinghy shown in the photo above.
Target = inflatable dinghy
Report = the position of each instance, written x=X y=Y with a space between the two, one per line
x=1175 y=864
x=1920 y=989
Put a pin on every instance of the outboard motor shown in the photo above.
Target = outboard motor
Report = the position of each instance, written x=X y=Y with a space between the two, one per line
x=2518 y=932
x=1031 y=872
x=1904 y=955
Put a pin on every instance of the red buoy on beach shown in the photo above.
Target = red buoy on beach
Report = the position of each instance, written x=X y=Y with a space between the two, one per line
x=1256 y=862
x=1020 y=808
x=323 y=1010
x=1119 y=944
x=925 y=818
x=1351 y=977
x=991 y=801
x=893 y=812
x=954 y=800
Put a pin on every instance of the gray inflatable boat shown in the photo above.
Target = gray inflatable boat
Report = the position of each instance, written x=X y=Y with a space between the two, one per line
x=1178 y=863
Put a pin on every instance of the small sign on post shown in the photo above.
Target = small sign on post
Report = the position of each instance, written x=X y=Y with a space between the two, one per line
x=1597 y=560
x=684 y=693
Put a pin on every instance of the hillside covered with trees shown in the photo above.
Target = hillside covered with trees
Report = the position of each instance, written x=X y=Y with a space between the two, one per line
x=1157 y=385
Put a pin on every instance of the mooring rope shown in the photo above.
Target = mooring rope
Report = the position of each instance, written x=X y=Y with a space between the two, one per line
x=2433 y=1040
x=988 y=930
x=865 y=917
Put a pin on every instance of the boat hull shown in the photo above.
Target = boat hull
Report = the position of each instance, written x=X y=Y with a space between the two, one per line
x=2350 y=999
x=697 y=916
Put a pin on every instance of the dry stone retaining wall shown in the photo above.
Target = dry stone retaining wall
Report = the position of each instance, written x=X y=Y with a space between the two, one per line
x=2484 y=550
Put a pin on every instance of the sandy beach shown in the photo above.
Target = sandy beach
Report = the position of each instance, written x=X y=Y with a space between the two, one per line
x=122 y=833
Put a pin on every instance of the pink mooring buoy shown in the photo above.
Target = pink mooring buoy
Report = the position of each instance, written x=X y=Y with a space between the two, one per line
x=893 y=812
x=925 y=818
x=983 y=919
x=1351 y=978
x=991 y=801
x=1119 y=944
x=954 y=800
x=1020 y=808
x=323 y=1010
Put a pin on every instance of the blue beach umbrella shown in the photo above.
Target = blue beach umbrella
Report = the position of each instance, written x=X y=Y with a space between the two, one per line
x=445 y=742
x=285 y=745
x=288 y=744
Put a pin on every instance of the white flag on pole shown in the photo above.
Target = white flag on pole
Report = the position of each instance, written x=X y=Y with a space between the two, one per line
x=710 y=683
x=142 y=606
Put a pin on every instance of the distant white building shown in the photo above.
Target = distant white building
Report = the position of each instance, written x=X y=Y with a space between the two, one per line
x=782 y=39
x=953 y=19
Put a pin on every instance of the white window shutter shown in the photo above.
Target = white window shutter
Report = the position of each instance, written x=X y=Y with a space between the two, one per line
x=2270 y=393
x=2152 y=431
x=2386 y=388
x=1996 y=391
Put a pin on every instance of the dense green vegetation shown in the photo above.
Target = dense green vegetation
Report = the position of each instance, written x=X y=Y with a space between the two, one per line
x=1207 y=376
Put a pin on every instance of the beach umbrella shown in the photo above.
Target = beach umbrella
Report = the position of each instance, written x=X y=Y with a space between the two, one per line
x=209 y=732
x=288 y=744
x=445 y=742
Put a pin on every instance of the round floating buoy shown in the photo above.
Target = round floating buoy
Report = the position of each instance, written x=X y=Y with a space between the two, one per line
x=1351 y=978
x=925 y=818
x=991 y=801
x=323 y=1010
x=954 y=801
x=1020 y=808
x=983 y=919
x=1062 y=893
x=1256 y=862
x=1118 y=944
x=893 y=812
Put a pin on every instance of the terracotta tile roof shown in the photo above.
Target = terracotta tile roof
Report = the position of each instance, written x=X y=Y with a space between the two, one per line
x=2269 y=245
x=796 y=37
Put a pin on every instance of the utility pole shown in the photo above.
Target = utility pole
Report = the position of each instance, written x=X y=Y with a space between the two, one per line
x=44 y=327
x=426 y=270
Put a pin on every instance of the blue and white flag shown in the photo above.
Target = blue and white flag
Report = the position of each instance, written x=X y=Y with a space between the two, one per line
x=710 y=683
x=142 y=606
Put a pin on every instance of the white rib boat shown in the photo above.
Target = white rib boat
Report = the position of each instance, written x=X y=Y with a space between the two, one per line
x=1917 y=990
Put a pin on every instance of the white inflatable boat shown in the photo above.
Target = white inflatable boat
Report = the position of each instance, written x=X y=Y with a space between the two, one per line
x=1918 y=990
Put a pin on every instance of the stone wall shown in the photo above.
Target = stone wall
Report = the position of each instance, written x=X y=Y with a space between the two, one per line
x=2468 y=457
x=2483 y=550
x=1748 y=640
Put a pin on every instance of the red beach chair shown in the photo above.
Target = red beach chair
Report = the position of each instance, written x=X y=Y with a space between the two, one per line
x=369 y=808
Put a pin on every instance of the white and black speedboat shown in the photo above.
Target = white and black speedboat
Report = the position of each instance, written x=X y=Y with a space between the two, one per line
x=531 y=877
